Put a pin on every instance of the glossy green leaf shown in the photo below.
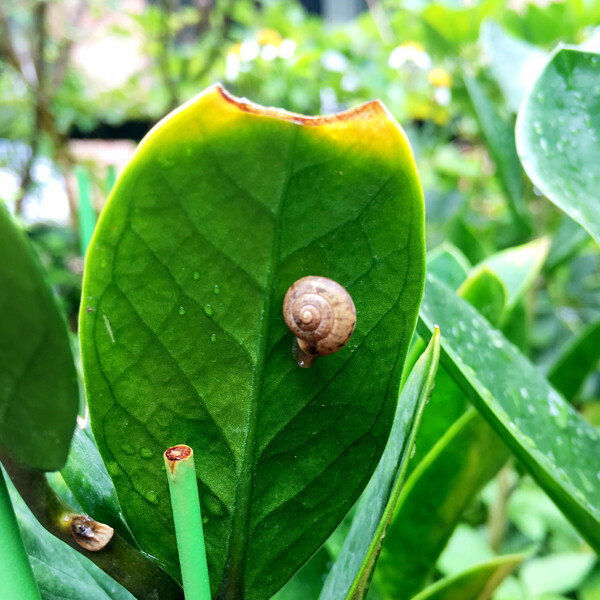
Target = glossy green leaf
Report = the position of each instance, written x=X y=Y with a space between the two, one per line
x=38 y=383
x=576 y=361
x=61 y=572
x=517 y=268
x=477 y=583
x=352 y=571
x=514 y=62
x=432 y=502
x=225 y=205
x=568 y=238
x=558 y=135
x=500 y=139
x=88 y=480
x=551 y=439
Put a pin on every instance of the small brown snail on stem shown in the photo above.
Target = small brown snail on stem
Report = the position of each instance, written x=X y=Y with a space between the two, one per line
x=321 y=314
x=90 y=534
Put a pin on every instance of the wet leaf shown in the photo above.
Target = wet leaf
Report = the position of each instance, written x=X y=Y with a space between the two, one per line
x=551 y=439
x=38 y=382
x=225 y=205
x=558 y=135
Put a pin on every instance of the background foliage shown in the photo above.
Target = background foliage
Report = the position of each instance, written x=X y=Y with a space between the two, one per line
x=454 y=75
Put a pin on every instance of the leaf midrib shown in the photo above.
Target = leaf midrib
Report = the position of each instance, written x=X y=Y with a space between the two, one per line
x=234 y=575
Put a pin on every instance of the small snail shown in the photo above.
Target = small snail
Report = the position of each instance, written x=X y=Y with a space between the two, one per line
x=90 y=534
x=321 y=314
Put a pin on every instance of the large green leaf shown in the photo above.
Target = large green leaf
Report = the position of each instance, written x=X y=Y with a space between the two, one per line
x=476 y=583
x=38 y=382
x=432 y=502
x=558 y=135
x=552 y=440
x=225 y=205
x=351 y=574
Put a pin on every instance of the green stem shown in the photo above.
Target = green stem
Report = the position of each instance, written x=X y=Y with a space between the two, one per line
x=132 y=569
x=183 y=485
x=16 y=575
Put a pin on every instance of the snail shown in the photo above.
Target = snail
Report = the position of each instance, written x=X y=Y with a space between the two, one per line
x=321 y=314
x=90 y=534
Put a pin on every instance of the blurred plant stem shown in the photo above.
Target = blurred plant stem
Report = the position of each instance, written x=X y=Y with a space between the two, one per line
x=132 y=569
x=497 y=513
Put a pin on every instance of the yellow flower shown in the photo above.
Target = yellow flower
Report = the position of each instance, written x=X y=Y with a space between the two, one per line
x=269 y=36
x=440 y=77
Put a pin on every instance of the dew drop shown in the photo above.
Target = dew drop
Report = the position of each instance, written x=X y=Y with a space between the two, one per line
x=146 y=453
x=151 y=496
x=544 y=145
x=217 y=289
x=213 y=337
x=524 y=393
x=209 y=311
x=113 y=468
x=127 y=449
x=195 y=275
x=181 y=310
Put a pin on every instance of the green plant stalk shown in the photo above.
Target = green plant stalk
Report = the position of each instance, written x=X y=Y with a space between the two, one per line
x=126 y=565
x=16 y=575
x=183 y=486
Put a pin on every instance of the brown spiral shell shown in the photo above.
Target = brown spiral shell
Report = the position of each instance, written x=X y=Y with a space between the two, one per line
x=321 y=314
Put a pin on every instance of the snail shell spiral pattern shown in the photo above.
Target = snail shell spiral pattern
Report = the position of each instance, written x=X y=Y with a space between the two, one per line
x=321 y=314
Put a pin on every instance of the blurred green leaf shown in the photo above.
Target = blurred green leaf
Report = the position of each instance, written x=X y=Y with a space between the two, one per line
x=467 y=548
x=353 y=569
x=514 y=62
x=500 y=140
x=576 y=361
x=447 y=262
x=517 y=268
x=224 y=206
x=477 y=583
x=308 y=581
x=557 y=573
x=558 y=135
x=553 y=442
x=484 y=290
x=38 y=382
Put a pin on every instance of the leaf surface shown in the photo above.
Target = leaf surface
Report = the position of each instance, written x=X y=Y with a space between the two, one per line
x=553 y=441
x=38 y=382
x=476 y=583
x=224 y=206
x=558 y=135
x=351 y=573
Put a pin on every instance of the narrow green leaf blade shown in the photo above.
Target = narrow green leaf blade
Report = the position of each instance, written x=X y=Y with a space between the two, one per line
x=223 y=207
x=500 y=140
x=432 y=502
x=553 y=441
x=351 y=573
x=38 y=383
x=476 y=583
x=88 y=480
x=558 y=135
